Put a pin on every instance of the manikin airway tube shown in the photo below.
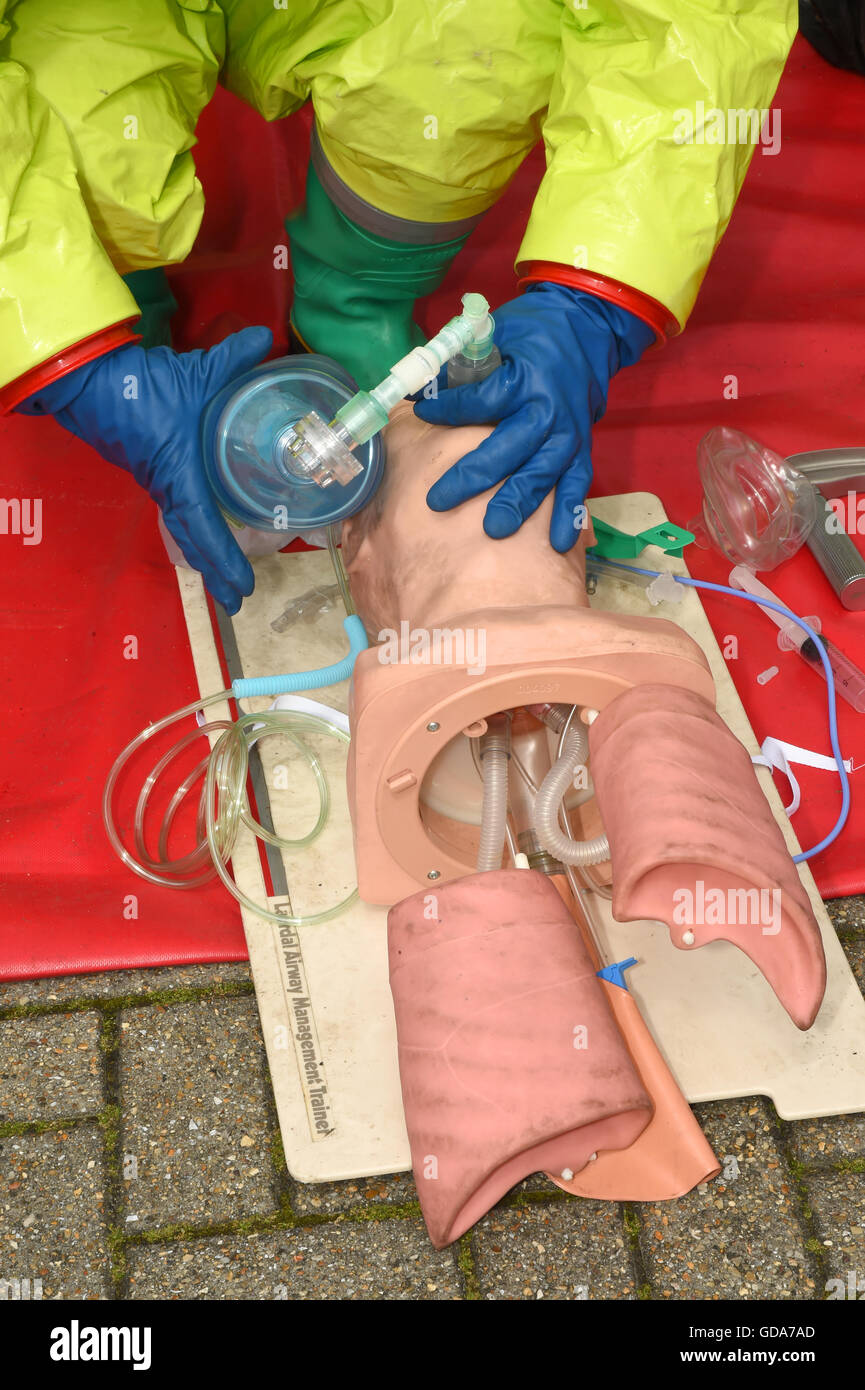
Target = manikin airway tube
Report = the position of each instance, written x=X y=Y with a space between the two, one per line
x=548 y=801
x=494 y=814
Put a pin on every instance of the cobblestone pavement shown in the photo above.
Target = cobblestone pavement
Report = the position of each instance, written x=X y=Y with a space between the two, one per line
x=140 y=1158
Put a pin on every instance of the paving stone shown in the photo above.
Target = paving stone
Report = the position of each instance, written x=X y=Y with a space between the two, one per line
x=114 y=984
x=847 y=912
x=341 y=1260
x=854 y=950
x=196 y=1130
x=837 y=1202
x=841 y=1136
x=826 y=1140
x=395 y=1189
x=573 y=1248
x=740 y=1236
x=51 y=1226
x=536 y=1182
x=49 y=1067
x=327 y=1198
x=203 y=1063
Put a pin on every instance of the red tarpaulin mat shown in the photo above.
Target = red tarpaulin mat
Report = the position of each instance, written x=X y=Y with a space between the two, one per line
x=775 y=347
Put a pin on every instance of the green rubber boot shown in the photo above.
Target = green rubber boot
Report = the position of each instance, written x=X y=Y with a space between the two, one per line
x=157 y=304
x=354 y=293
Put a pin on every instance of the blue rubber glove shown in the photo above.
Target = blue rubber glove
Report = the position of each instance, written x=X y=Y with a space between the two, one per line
x=141 y=409
x=559 y=348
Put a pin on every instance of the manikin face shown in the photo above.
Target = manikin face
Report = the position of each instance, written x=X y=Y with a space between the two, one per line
x=409 y=563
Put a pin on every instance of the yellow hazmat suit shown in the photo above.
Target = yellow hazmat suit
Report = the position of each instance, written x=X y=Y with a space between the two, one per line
x=424 y=110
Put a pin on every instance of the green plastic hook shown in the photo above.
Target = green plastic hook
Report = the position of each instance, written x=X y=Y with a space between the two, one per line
x=620 y=545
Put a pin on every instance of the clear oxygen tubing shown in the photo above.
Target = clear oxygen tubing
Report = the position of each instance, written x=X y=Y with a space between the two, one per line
x=589 y=884
x=830 y=690
x=578 y=885
x=339 y=570
x=578 y=890
x=510 y=837
x=586 y=793
x=494 y=753
x=550 y=798
x=226 y=778
x=223 y=802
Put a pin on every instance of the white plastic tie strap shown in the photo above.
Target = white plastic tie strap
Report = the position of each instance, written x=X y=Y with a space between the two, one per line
x=778 y=755
x=304 y=705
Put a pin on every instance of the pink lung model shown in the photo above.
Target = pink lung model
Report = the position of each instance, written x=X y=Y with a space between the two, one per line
x=694 y=844
x=509 y=1055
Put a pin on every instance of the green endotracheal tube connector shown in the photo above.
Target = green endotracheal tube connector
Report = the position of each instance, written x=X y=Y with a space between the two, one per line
x=324 y=452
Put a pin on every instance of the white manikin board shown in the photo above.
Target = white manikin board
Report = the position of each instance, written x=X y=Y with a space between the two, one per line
x=717 y=1022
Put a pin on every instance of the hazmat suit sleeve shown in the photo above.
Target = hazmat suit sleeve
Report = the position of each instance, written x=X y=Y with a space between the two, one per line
x=425 y=111
x=98 y=107
x=648 y=135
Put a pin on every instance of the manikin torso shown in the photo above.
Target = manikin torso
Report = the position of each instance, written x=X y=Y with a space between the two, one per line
x=709 y=821
x=409 y=563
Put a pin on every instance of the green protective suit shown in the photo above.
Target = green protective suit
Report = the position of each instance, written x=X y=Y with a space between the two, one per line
x=424 y=110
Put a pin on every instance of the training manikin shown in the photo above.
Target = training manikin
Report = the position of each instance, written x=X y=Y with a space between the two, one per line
x=407 y=562
x=489 y=1086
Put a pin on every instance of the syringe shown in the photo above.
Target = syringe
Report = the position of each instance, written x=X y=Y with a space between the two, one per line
x=322 y=452
x=848 y=679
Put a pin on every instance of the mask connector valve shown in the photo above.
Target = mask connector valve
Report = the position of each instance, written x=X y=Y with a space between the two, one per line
x=312 y=449
x=323 y=453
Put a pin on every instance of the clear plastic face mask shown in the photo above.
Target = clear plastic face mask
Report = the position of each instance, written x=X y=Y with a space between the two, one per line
x=258 y=480
x=757 y=510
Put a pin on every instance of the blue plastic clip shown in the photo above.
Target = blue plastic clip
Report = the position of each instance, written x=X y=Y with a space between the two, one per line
x=616 y=973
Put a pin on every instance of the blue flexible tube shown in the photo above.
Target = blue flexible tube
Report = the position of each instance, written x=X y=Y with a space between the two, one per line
x=309 y=680
x=830 y=688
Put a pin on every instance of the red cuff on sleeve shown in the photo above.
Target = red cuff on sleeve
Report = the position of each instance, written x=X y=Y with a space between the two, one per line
x=656 y=315
x=78 y=355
